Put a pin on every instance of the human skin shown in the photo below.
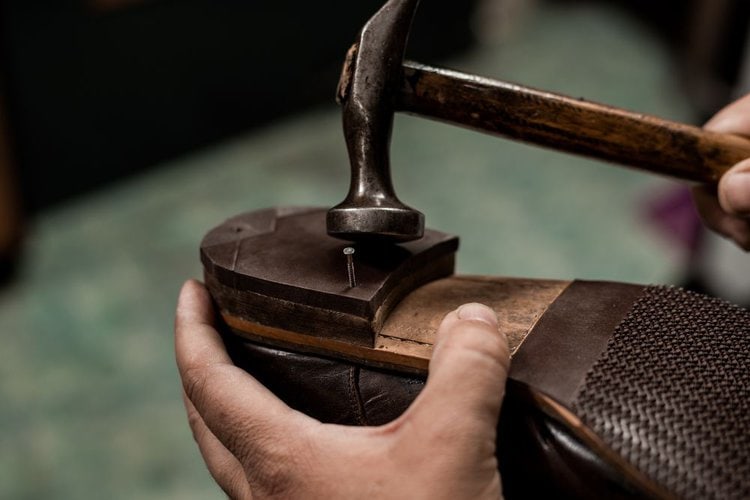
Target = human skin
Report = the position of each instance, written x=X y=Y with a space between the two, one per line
x=726 y=207
x=255 y=446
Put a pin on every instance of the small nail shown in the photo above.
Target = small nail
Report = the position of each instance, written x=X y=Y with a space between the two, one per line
x=349 y=252
x=736 y=189
x=477 y=312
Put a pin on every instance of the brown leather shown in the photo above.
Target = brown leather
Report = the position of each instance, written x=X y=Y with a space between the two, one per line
x=538 y=454
x=571 y=335
x=331 y=391
x=671 y=393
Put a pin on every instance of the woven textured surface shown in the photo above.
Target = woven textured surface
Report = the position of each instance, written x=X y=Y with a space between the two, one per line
x=671 y=393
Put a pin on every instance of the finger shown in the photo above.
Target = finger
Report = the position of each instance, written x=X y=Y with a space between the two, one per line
x=733 y=119
x=224 y=467
x=195 y=322
x=729 y=214
x=734 y=190
x=707 y=204
x=730 y=226
x=253 y=424
x=466 y=382
x=734 y=186
x=194 y=304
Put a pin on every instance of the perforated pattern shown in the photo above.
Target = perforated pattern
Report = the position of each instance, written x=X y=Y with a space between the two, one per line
x=671 y=394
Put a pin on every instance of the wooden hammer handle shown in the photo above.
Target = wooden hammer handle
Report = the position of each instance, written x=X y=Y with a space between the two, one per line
x=573 y=125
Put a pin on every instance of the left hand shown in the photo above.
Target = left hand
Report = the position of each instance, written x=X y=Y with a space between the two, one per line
x=255 y=446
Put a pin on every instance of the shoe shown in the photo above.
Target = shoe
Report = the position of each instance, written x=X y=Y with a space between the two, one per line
x=614 y=391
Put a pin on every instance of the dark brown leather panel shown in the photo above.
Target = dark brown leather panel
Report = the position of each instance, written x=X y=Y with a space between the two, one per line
x=328 y=390
x=322 y=388
x=385 y=396
x=571 y=335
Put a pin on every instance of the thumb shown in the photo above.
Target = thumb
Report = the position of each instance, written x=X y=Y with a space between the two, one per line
x=734 y=189
x=466 y=383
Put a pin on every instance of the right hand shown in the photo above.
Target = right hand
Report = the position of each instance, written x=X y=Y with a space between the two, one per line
x=726 y=209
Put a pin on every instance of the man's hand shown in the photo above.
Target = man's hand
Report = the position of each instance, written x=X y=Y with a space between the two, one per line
x=727 y=211
x=255 y=446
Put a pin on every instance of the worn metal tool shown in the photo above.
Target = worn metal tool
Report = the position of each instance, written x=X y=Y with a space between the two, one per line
x=372 y=76
x=376 y=82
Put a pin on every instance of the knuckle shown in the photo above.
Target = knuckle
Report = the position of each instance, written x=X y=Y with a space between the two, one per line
x=194 y=381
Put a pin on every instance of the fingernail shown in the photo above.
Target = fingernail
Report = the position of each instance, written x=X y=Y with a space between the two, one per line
x=737 y=192
x=477 y=312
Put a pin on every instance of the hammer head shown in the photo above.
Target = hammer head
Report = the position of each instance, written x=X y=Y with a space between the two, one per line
x=367 y=92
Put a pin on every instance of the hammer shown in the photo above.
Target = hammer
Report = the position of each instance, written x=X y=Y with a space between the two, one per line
x=376 y=82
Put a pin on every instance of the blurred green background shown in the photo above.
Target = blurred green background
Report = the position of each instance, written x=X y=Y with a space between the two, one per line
x=89 y=396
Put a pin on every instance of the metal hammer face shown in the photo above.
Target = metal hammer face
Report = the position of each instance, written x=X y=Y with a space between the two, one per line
x=371 y=77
